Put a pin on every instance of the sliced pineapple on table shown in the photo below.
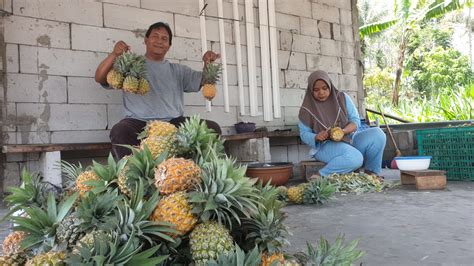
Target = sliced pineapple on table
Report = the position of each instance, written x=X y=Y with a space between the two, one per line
x=210 y=76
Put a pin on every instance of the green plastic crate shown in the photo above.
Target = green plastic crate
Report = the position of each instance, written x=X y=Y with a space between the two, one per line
x=452 y=150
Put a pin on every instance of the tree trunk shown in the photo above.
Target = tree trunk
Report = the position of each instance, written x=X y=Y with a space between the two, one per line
x=400 y=66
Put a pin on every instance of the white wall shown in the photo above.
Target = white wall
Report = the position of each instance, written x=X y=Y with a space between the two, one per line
x=52 y=48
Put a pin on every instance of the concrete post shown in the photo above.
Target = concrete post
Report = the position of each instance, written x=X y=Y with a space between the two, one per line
x=49 y=166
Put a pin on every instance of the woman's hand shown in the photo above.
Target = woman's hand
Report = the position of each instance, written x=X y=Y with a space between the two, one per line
x=322 y=136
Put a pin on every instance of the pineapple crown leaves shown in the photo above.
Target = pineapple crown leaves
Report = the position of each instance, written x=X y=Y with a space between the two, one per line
x=142 y=164
x=128 y=62
x=69 y=173
x=325 y=254
x=40 y=225
x=108 y=175
x=128 y=221
x=225 y=193
x=318 y=192
x=31 y=193
x=356 y=182
x=95 y=209
x=113 y=250
x=195 y=139
x=211 y=73
x=238 y=257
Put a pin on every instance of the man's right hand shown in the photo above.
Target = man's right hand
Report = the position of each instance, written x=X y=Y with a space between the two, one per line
x=322 y=136
x=120 y=47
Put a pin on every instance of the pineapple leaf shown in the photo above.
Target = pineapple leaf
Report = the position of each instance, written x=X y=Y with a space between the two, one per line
x=145 y=258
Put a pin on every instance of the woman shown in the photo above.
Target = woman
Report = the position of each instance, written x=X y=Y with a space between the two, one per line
x=325 y=107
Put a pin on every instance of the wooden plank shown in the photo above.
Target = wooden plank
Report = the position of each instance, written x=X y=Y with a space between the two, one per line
x=261 y=134
x=55 y=147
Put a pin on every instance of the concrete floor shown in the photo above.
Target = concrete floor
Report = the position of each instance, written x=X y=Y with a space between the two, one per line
x=401 y=226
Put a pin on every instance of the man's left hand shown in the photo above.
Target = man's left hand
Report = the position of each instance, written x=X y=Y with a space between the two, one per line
x=210 y=57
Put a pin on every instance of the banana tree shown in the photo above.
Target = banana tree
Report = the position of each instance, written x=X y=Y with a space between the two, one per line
x=408 y=14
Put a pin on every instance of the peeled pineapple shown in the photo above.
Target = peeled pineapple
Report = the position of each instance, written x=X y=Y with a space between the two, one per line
x=210 y=76
x=176 y=174
x=176 y=210
x=336 y=134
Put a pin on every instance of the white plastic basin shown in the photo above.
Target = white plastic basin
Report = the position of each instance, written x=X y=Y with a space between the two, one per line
x=413 y=163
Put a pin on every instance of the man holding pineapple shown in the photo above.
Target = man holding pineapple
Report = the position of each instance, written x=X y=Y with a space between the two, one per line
x=159 y=96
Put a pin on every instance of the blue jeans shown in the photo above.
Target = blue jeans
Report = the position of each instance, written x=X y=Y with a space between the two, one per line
x=366 y=150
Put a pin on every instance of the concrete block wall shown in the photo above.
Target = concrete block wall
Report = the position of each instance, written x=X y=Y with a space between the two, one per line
x=50 y=51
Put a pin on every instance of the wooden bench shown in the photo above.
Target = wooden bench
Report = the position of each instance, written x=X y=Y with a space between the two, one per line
x=50 y=154
x=254 y=146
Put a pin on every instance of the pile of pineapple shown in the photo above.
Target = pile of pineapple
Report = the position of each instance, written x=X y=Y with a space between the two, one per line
x=129 y=73
x=177 y=199
x=210 y=76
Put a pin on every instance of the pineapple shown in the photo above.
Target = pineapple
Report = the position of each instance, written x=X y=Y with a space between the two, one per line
x=176 y=210
x=11 y=243
x=176 y=174
x=124 y=179
x=225 y=194
x=51 y=258
x=115 y=79
x=238 y=257
x=317 y=192
x=134 y=74
x=143 y=86
x=84 y=177
x=196 y=141
x=68 y=231
x=159 y=145
x=130 y=84
x=210 y=76
x=336 y=134
x=208 y=241
x=273 y=259
x=16 y=259
x=157 y=128
x=296 y=193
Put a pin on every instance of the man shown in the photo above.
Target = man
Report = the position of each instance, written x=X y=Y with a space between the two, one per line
x=168 y=82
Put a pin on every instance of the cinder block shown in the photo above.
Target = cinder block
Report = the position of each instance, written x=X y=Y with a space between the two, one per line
x=346 y=4
x=185 y=49
x=329 y=63
x=13 y=58
x=349 y=66
x=296 y=79
x=297 y=61
x=38 y=32
x=309 y=27
x=330 y=47
x=59 y=62
x=348 y=83
x=346 y=17
x=135 y=3
x=77 y=117
x=86 y=90
x=289 y=22
x=301 y=8
x=36 y=88
x=243 y=35
x=28 y=116
x=115 y=113
x=40 y=136
x=347 y=33
x=303 y=153
x=325 y=29
x=347 y=50
x=11 y=175
x=291 y=115
x=187 y=27
x=9 y=123
x=9 y=138
x=186 y=7
x=76 y=11
x=326 y=13
x=292 y=97
x=293 y=153
x=131 y=18
x=337 y=32
x=90 y=38
x=305 y=44
x=284 y=141
x=48 y=166
x=211 y=9
x=7 y=6
x=279 y=153
x=80 y=136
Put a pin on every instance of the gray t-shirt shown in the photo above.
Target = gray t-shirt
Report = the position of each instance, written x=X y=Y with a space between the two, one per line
x=168 y=82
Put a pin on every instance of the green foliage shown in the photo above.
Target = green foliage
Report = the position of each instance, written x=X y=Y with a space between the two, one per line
x=328 y=255
x=238 y=257
x=378 y=85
